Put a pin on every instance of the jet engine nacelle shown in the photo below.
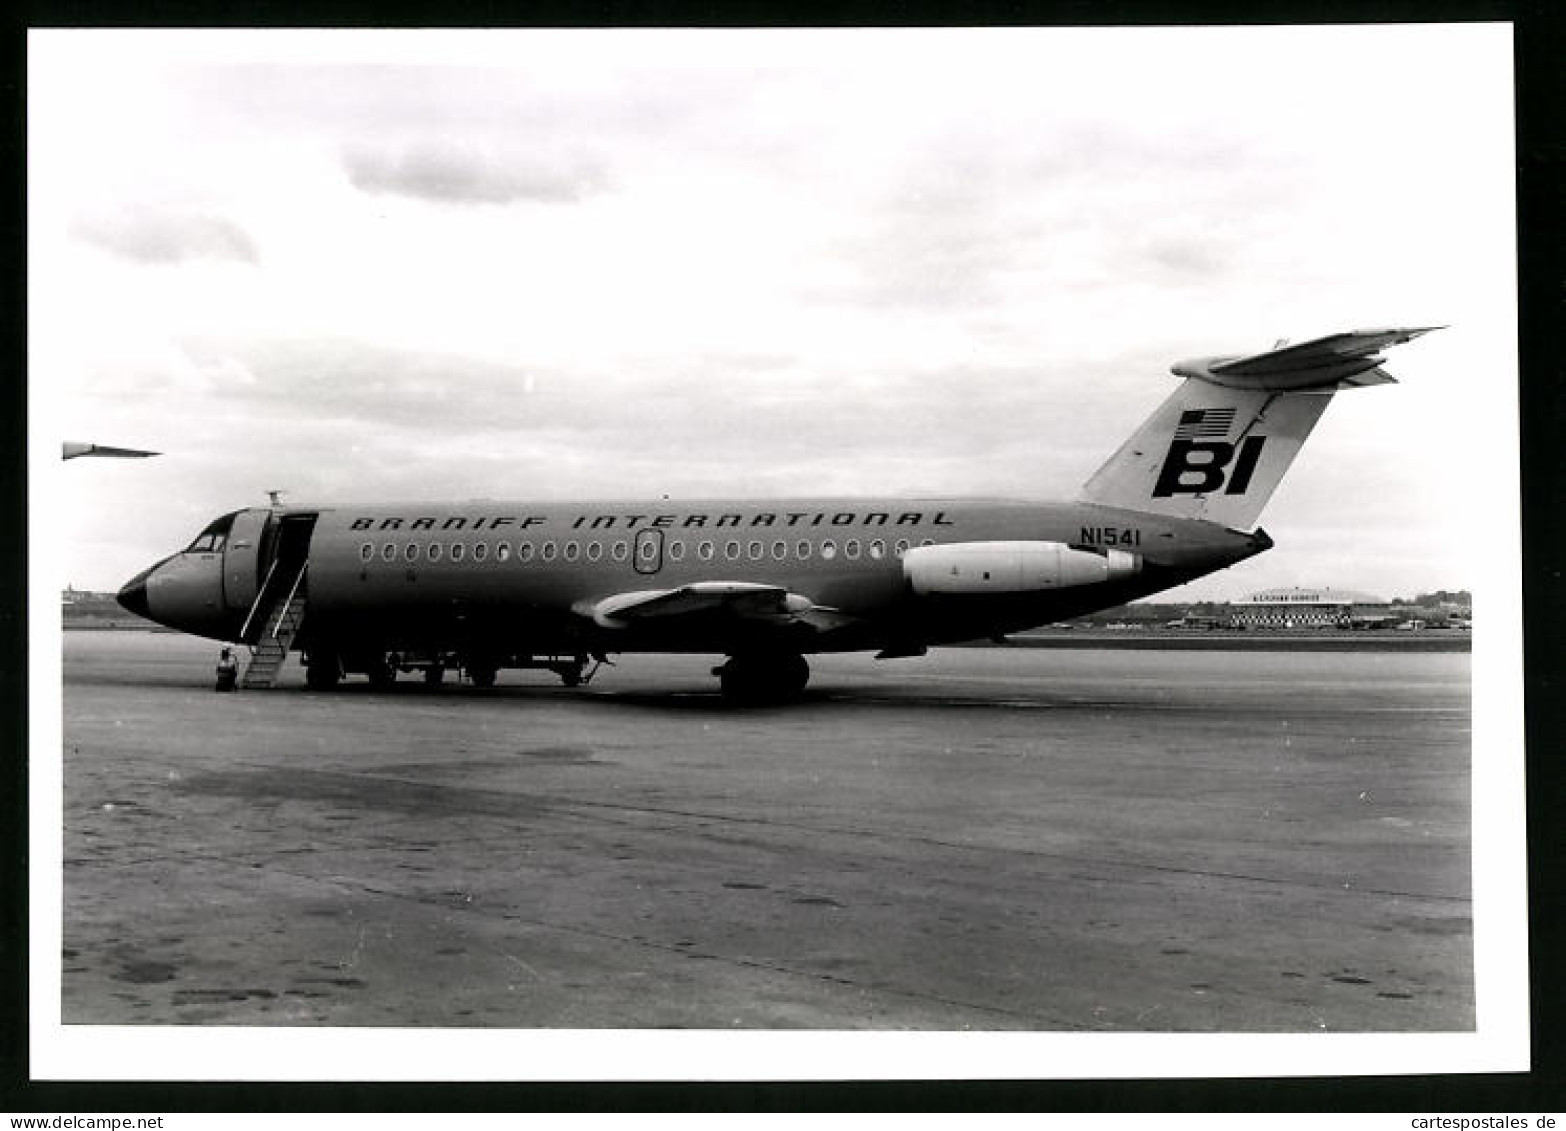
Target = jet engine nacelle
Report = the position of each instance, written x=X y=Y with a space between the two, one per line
x=1012 y=567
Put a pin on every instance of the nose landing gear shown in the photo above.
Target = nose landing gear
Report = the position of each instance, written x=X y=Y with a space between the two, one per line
x=383 y=673
x=323 y=671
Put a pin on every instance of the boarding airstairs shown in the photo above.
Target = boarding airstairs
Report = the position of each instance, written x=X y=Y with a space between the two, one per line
x=278 y=609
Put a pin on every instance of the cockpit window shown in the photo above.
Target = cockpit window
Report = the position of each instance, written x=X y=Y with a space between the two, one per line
x=213 y=537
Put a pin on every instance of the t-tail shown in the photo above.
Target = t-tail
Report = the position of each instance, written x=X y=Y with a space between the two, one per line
x=1218 y=447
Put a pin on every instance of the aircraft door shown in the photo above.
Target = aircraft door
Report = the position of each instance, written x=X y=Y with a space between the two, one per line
x=648 y=553
x=242 y=558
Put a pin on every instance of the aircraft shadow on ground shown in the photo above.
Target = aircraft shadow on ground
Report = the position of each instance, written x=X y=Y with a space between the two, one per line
x=705 y=701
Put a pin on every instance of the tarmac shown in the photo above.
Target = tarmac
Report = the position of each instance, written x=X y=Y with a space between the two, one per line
x=985 y=838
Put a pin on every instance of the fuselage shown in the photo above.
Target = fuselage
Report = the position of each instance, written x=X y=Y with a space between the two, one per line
x=508 y=576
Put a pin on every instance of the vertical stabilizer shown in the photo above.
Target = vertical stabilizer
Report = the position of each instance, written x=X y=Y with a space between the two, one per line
x=1219 y=446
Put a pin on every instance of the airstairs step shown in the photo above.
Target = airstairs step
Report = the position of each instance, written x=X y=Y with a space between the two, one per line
x=277 y=634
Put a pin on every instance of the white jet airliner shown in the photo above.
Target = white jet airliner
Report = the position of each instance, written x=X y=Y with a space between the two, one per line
x=377 y=589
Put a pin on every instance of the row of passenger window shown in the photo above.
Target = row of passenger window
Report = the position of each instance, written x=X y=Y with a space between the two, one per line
x=675 y=550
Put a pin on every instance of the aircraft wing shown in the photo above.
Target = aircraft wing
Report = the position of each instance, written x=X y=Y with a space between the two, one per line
x=743 y=599
x=1332 y=362
x=71 y=449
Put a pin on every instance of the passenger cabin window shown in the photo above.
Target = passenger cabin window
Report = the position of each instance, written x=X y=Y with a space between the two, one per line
x=213 y=538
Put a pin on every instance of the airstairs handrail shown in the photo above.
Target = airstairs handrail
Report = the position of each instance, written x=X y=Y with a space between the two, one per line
x=244 y=633
x=298 y=581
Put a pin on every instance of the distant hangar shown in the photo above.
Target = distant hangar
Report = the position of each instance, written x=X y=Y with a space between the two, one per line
x=1297 y=607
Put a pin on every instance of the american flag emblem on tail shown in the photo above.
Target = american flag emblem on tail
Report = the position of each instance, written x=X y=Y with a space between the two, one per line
x=1204 y=423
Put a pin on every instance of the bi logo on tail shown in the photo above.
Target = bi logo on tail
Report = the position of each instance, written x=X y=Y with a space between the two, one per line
x=1198 y=463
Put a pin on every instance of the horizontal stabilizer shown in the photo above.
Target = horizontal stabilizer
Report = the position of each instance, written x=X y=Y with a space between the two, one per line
x=1337 y=361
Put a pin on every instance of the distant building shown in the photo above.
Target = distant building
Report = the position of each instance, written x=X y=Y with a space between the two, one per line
x=1308 y=608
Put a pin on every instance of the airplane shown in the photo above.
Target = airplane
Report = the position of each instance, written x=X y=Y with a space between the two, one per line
x=379 y=589
x=71 y=449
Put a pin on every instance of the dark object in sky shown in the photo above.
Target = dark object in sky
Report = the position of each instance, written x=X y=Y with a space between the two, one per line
x=74 y=449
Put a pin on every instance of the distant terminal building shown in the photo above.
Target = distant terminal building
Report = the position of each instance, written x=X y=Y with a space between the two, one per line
x=1307 y=608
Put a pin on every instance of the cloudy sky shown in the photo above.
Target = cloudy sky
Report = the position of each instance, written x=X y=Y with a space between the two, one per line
x=368 y=266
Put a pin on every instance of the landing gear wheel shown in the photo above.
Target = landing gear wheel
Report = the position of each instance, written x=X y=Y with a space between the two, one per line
x=434 y=674
x=793 y=673
x=763 y=679
x=322 y=673
x=482 y=677
x=382 y=675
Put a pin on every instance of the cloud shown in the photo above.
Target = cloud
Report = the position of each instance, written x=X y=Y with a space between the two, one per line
x=944 y=237
x=168 y=237
x=970 y=220
x=410 y=422
x=456 y=174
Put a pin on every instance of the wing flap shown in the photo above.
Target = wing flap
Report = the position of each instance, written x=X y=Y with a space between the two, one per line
x=737 y=598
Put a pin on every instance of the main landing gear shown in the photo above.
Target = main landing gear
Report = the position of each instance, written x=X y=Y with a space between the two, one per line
x=762 y=677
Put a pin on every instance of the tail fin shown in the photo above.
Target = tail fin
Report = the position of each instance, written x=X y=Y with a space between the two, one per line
x=1218 y=447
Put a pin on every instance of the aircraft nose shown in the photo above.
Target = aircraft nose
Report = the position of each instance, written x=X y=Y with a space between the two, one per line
x=133 y=595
